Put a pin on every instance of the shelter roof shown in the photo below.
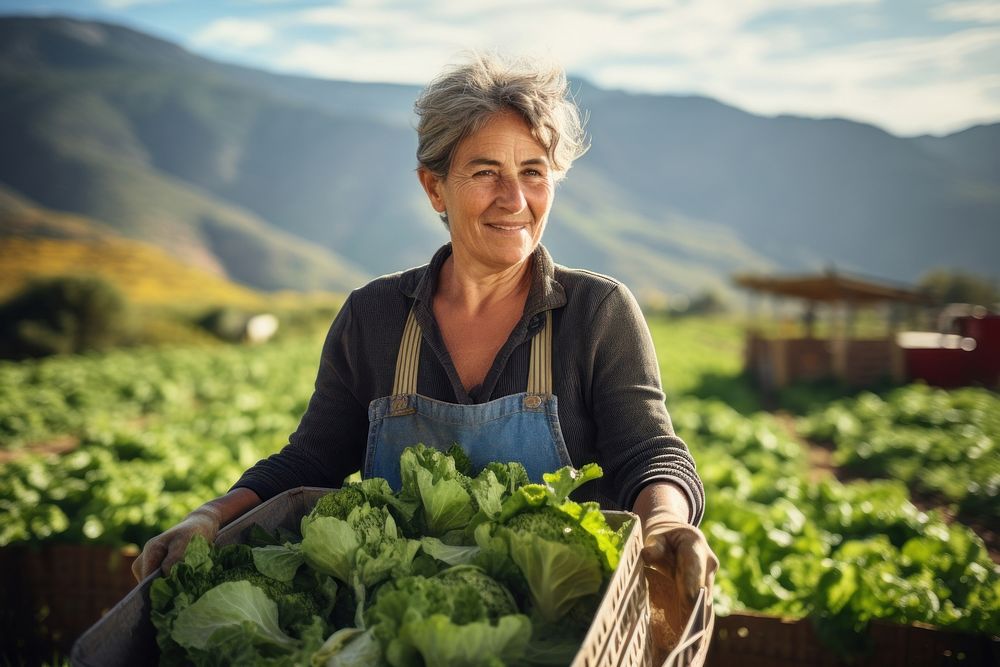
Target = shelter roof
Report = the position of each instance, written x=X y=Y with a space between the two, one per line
x=829 y=286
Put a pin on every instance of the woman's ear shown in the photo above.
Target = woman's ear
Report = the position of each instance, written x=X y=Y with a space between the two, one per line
x=432 y=186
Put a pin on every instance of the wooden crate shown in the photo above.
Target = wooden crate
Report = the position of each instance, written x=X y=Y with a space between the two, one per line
x=752 y=640
x=50 y=594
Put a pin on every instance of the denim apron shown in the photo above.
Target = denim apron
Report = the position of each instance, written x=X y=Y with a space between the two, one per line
x=522 y=427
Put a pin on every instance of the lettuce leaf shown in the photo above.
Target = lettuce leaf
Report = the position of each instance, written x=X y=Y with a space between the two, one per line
x=446 y=553
x=279 y=562
x=431 y=480
x=557 y=574
x=439 y=641
x=330 y=545
x=447 y=505
x=349 y=647
x=564 y=481
x=231 y=604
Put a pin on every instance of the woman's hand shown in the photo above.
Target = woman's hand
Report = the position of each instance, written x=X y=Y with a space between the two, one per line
x=679 y=562
x=676 y=547
x=168 y=547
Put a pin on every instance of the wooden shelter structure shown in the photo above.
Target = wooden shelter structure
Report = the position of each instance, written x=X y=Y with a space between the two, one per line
x=779 y=359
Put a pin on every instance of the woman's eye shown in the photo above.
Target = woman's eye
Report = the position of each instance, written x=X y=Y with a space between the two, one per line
x=485 y=172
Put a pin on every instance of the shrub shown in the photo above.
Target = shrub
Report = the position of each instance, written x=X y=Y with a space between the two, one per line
x=62 y=315
x=225 y=322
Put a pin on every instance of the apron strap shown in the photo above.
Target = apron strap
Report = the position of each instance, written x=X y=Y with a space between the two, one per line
x=540 y=367
x=408 y=359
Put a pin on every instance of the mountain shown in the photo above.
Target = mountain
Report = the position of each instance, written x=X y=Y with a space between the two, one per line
x=139 y=144
x=290 y=182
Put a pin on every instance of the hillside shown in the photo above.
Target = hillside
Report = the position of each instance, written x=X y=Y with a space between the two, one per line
x=38 y=243
x=98 y=142
x=289 y=182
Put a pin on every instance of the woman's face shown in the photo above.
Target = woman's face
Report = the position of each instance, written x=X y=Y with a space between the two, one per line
x=497 y=194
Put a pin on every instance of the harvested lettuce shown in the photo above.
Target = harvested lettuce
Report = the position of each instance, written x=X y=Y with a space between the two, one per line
x=455 y=618
x=454 y=570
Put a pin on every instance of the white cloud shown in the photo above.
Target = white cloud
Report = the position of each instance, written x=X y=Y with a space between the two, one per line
x=343 y=60
x=908 y=86
x=576 y=33
x=685 y=46
x=976 y=11
x=234 y=33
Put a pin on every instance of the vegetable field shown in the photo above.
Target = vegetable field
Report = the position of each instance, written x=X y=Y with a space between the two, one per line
x=112 y=449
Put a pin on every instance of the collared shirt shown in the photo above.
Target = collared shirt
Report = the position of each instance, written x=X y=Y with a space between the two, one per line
x=606 y=379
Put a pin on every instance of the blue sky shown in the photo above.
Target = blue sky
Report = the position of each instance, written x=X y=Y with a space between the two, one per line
x=909 y=66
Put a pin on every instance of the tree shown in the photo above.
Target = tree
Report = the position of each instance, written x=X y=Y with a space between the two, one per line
x=947 y=286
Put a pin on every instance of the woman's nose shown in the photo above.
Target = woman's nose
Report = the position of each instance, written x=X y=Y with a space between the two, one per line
x=511 y=195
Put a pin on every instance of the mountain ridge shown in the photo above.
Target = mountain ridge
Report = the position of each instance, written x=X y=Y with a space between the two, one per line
x=288 y=182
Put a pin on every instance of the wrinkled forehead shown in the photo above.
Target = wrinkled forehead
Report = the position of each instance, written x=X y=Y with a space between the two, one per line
x=502 y=136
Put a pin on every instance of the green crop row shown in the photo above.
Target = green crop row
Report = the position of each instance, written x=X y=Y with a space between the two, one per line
x=842 y=554
x=937 y=441
x=156 y=432
x=60 y=396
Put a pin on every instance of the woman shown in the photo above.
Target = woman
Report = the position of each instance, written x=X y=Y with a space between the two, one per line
x=491 y=345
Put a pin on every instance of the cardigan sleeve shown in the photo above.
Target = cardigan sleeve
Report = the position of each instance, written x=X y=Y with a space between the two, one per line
x=634 y=433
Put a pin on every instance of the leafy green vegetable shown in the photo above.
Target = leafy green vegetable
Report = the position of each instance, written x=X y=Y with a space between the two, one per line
x=430 y=479
x=330 y=545
x=279 y=562
x=440 y=642
x=301 y=605
x=339 y=502
x=562 y=549
x=234 y=603
x=516 y=581
x=446 y=553
x=941 y=442
x=496 y=598
x=446 y=620
x=349 y=647
x=558 y=574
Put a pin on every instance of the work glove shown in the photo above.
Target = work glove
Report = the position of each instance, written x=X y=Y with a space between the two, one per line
x=168 y=547
x=679 y=563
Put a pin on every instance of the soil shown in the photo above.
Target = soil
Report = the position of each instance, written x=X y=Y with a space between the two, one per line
x=56 y=446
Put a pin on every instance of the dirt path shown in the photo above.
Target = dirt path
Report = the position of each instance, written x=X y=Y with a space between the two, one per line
x=61 y=445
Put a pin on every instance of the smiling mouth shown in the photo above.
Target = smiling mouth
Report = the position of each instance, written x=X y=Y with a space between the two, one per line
x=507 y=227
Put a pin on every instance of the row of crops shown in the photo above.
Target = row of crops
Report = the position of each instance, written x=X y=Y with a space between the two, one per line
x=154 y=433
x=842 y=554
x=159 y=432
x=942 y=443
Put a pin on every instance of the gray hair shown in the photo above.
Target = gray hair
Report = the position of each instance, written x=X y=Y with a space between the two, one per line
x=461 y=100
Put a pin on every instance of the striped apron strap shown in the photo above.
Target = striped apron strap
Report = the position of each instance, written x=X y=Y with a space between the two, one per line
x=540 y=366
x=408 y=359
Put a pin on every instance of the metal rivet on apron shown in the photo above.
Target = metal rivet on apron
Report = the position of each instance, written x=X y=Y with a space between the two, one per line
x=532 y=402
